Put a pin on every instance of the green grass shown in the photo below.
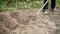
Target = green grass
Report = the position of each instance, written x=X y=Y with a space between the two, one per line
x=58 y=1
x=19 y=4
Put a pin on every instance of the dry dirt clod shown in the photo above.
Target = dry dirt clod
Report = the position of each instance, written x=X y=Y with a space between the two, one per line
x=8 y=21
x=3 y=30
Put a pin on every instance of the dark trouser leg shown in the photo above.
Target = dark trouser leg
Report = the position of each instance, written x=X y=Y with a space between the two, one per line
x=53 y=3
x=46 y=6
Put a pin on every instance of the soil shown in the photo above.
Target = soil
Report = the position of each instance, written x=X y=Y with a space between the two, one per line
x=27 y=22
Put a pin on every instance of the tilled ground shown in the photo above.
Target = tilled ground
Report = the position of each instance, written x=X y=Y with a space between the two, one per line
x=27 y=22
x=57 y=22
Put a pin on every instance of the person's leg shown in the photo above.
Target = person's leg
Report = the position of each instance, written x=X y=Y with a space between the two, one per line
x=53 y=3
x=45 y=9
x=46 y=6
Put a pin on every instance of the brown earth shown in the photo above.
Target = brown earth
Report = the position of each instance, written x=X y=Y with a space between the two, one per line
x=27 y=22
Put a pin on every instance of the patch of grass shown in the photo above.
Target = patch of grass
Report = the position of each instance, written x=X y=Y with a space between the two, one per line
x=58 y=1
x=20 y=4
x=2 y=8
